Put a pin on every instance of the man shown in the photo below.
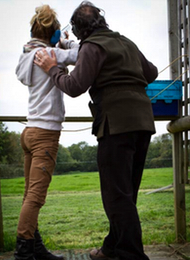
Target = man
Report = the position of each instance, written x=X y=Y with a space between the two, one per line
x=116 y=74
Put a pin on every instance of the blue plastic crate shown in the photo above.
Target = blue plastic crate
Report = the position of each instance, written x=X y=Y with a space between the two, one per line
x=165 y=104
x=173 y=92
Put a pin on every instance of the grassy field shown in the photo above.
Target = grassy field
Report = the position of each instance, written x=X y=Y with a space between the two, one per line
x=73 y=216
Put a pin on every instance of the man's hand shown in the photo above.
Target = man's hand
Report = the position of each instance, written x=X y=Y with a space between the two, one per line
x=44 y=61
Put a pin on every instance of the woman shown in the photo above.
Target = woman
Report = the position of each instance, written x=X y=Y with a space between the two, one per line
x=40 y=138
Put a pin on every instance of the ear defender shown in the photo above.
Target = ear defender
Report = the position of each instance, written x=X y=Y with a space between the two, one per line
x=55 y=37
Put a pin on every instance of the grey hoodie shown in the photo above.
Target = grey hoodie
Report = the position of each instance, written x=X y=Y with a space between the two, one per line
x=45 y=105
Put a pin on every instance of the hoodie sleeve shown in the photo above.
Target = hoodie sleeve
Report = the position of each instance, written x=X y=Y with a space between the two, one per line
x=68 y=56
x=24 y=69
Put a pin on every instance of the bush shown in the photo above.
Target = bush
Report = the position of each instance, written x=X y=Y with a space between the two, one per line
x=8 y=171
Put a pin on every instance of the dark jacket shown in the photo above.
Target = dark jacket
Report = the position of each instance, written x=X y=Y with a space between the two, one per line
x=118 y=93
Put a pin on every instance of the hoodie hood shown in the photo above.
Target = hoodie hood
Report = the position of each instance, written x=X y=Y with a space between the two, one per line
x=25 y=67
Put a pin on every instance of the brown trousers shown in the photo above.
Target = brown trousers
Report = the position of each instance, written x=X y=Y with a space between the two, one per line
x=40 y=151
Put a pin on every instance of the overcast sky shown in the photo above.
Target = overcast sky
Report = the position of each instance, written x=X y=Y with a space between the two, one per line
x=143 y=21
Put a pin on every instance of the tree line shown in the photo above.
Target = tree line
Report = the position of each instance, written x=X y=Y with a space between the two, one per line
x=77 y=157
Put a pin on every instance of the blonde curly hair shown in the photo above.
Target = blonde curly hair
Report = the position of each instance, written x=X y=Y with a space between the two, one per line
x=44 y=23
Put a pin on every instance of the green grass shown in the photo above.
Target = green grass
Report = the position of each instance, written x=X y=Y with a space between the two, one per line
x=152 y=179
x=73 y=216
x=61 y=183
x=157 y=178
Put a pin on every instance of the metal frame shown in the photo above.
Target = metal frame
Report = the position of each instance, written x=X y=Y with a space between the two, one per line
x=179 y=50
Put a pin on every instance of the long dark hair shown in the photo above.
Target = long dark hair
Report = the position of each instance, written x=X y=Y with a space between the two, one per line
x=87 y=18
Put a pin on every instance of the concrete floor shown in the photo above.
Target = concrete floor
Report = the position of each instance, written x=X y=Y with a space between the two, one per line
x=155 y=252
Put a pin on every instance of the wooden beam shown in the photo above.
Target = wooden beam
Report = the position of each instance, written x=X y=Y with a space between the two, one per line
x=179 y=188
x=77 y=119
x=175 y=50
x=67 y=119
x=179 y=125
x=1 y=224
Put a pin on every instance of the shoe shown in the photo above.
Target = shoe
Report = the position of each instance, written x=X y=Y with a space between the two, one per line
x=97 y=254
x=24 y=249
x=40 y=251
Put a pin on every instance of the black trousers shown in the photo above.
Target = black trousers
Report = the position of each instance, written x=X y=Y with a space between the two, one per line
x=121 y=161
